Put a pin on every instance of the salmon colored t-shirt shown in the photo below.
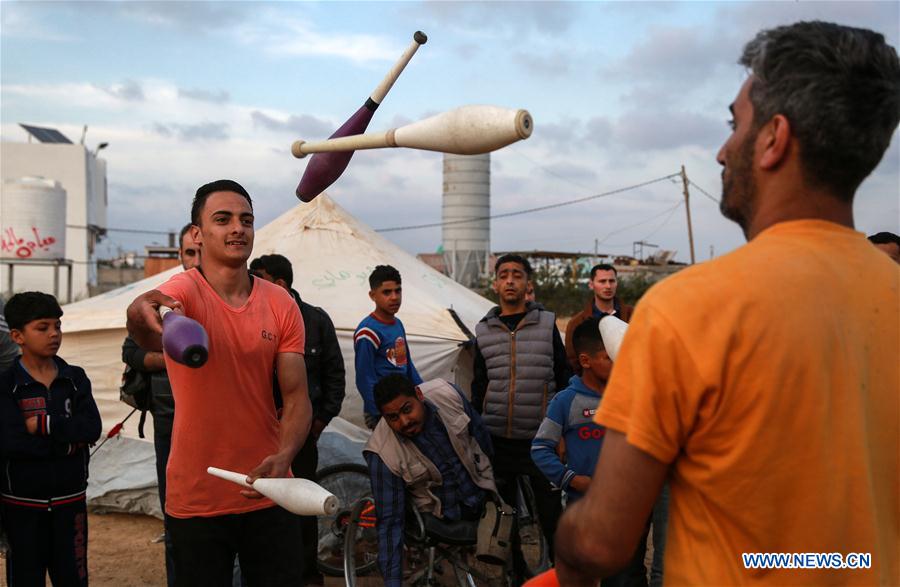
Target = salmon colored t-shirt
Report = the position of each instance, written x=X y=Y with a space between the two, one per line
x=769 y=379
x=225 y=412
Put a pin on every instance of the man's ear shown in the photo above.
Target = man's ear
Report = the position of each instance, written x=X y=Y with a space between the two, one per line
x=584 y=360
x=196 y=235
x=776 y=137
x=419 y=394
x=372 y=295
x=17 y=337
x=281 y=283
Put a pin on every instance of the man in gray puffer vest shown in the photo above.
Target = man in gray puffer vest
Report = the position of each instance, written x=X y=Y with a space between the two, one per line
x=520 y=362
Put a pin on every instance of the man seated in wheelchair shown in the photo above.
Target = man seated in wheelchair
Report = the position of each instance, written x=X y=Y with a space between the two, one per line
x=430 y=449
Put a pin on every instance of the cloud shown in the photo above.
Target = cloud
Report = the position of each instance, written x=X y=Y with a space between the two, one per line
x=572 y=172
x=556 y=64
x=204 y=131
x=304 y=125
x=281 y=35
x=21 y=20
x=746 y=19
x=599 y=131
x=518 y=18
x=663 y=130
x=67 y=94
x=129 y=90
x=189 y=16
x=219 y=97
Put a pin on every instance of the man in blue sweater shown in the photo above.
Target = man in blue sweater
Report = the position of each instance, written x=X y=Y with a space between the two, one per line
x=570 y=416
x=379 y=342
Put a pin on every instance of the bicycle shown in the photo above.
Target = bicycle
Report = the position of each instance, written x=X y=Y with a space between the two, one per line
x=535 y=548
x=349 y=482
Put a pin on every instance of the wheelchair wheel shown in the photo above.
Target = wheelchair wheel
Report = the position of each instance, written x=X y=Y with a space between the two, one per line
x=349 y=482
x=360 y=541
x=534 y=544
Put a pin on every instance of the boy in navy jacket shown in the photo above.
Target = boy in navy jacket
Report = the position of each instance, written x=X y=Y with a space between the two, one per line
x=379 y=342
x=47 y=420
x=570 y=416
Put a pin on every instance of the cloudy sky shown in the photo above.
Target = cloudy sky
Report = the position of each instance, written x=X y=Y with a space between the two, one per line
x=621 y=93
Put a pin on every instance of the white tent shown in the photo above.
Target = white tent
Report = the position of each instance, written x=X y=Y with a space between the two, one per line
x=332 y=254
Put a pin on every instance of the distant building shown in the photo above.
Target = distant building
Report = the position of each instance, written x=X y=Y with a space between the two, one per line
x=82 y=176
x=159 y=259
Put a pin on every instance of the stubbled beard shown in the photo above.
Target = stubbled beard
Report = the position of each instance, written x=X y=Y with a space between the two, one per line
x=739 y=187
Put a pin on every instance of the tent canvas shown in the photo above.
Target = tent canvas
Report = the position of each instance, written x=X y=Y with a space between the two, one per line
x=332 y=255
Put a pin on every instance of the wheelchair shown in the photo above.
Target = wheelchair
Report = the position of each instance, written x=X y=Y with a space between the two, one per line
x=348 y=539
x=433 y=549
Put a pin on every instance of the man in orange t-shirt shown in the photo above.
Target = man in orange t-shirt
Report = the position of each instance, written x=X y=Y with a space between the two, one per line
x=226 y=414
x=772 y=405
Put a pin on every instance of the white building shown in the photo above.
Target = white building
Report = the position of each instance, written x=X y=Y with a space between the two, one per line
x=83 y=177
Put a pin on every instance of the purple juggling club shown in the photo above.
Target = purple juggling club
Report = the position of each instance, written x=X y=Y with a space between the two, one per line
x=323 y=169
x=184 y=339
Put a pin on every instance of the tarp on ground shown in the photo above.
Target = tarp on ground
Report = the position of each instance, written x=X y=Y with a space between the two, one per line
x=123 y=470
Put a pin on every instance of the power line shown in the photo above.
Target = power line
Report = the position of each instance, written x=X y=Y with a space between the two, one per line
x=645 y=221
x=703 y=191
x=129 y=230
x=529 y=210
x=549 y=171
x=664 y=222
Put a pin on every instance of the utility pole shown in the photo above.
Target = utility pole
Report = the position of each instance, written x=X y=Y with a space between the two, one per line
x=687 y=207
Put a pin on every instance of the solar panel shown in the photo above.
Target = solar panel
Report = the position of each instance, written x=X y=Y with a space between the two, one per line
x=46 y=135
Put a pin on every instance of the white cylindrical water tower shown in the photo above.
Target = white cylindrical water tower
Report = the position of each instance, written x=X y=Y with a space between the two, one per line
x=32 y=219
x=467 y=196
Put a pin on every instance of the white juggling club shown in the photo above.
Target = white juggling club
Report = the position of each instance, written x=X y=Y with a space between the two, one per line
x=298 y=496
x=612 y=331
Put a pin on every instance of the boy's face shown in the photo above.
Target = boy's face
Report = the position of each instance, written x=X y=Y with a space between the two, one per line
x=40 y=338
x=387 y=297
x=599 y=364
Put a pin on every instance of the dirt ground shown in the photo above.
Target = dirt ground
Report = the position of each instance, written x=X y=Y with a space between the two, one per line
x=122 y=552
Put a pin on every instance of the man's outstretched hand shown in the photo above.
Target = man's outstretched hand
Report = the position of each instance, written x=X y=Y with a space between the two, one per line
x=143 y=321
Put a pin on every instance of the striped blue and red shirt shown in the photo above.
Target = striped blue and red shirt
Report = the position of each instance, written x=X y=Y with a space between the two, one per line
x=381 y=349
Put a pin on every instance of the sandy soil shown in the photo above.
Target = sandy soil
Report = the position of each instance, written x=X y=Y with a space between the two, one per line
x=122 y=553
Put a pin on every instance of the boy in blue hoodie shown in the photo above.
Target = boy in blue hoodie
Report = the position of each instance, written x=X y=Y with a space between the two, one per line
x=570 y=417
x=47 y=420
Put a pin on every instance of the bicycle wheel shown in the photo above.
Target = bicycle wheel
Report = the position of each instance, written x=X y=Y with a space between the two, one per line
x=349 y=482
x=360 y=541
x=534 y=544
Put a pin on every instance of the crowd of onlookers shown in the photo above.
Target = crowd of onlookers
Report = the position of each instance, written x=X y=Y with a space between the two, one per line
x=752 y=411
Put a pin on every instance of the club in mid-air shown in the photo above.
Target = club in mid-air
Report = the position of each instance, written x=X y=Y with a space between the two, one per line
x=468 y=130
x=324 y=168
